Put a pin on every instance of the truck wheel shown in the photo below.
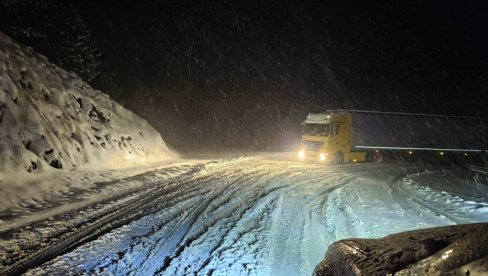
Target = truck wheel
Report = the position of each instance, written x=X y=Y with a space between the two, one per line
x=339 y=158
x=369 y=157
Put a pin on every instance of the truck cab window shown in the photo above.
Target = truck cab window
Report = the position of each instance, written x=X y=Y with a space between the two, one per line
x=316 y=129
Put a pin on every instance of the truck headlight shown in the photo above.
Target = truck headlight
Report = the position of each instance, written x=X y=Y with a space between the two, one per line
x=322 y=157
x=301 y=154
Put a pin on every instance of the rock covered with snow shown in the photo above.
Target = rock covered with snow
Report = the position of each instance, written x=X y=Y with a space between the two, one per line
x=50 y=118
x=451 y=250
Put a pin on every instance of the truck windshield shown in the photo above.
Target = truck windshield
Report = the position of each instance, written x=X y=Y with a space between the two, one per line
x=316 y=129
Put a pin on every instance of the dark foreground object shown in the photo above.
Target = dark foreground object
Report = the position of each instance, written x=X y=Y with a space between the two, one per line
x=451 y=250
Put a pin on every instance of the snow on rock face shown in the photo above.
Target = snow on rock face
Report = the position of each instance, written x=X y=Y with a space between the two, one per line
x=50 y=118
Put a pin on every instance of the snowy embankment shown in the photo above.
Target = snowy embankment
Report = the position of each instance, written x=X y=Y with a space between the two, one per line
x=51 y=122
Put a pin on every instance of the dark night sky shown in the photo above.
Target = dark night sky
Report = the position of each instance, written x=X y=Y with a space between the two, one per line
x=244 y=74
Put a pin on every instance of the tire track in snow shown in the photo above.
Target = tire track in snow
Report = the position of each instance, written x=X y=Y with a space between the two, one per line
x=182 y=229
x=248 y=216
x=254 y=201
x=261 y=202
x=183 y=190
x=345 y=211
x=289 y=226
x=242 y=234
x=139 y=243
x=156 y=247
x=235 y=218
x=313 y=176
x=134 y=209
x=399 y=187
x=187 y=238
x=248 y=175
x=314 y=237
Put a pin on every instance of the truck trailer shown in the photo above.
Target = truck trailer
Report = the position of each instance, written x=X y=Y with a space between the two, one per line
x=339 y=136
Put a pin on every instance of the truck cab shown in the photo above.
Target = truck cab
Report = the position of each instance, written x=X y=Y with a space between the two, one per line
x=326 y=137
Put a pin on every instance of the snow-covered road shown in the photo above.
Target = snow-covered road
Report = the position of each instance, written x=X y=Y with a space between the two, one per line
x=266 y=216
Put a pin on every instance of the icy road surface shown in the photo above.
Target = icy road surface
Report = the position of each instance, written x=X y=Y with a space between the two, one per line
x=265 y=216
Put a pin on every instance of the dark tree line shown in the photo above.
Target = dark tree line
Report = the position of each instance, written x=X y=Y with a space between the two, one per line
x=55 y=29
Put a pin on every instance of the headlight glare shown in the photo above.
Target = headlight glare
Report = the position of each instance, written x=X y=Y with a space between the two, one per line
x=322 y=157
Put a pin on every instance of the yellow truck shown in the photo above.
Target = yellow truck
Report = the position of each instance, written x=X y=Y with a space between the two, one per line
x=339 y=136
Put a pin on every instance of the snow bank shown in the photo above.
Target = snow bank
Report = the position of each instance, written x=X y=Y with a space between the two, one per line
x=461 y=199
x=50 y=118
x=51 y=122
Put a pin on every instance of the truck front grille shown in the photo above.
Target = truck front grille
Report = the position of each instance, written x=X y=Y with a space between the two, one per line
x=312 y=145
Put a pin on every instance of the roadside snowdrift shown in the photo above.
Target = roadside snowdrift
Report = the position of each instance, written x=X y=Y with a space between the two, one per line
x=51 y=119
x=56 y=131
